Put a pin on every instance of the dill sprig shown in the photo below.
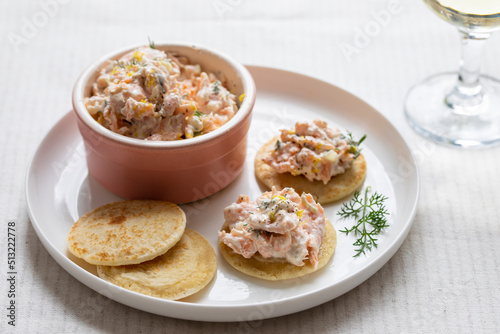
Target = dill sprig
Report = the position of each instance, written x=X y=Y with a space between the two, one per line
x=277 y=146
x=120 y=63
x=151 y=43
x=136 y=62
x=353 y=143
x=371 y=217
x=216 y=87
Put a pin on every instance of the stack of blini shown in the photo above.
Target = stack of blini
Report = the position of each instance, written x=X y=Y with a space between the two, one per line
x=144 y=246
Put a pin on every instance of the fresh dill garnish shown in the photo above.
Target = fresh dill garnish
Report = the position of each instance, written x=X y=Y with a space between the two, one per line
x=198 y=113
x=353 y=143
x=278 y=145
x=371 y=217
x=151 y=43
x=136 y=62
x=197 y=133
x=264 y=204
x=120 y=63
x=258 y=232
x=216 y=87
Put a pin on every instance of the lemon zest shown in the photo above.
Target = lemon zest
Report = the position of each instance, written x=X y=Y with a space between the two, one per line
x=138 y=55
x=301 y=223
x=150 y=81
x=280 y=197
x=272 y=216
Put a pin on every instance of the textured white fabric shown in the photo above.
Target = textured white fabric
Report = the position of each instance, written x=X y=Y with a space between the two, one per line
x=444 y=278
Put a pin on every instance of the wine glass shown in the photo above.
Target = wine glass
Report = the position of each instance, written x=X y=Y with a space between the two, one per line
x=460 y=109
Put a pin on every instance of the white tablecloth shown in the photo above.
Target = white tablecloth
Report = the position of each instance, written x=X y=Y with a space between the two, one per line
x=445 y=276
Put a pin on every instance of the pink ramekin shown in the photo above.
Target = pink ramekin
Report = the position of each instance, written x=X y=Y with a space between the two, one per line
x=177 y=171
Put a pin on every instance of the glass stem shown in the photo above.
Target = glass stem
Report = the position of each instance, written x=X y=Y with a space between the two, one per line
x=467 y=94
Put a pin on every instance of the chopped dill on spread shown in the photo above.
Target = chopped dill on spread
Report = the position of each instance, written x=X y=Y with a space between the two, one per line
x=120 y=64
x=258 y=232
x=277 y=147
x=216 y=87
x=371 y=218
x=151 y=43
x=136 y=62
x=353 y=143
x=198 y=113
x=264 y=204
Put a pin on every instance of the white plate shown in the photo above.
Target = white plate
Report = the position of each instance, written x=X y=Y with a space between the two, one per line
x=59 y=190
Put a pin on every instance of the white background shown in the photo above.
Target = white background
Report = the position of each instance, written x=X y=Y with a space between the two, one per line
x=445 y=276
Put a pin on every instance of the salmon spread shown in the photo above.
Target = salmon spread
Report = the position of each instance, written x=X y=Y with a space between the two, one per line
x=279 y=224
x=313 y=150
x=152 y=95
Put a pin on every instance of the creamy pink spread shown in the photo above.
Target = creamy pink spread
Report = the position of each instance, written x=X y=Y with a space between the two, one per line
x=313 y=150
x=279 y=224
x=149 y=94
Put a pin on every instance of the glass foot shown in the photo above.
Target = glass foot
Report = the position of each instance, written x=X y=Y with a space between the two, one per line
x=476 y=124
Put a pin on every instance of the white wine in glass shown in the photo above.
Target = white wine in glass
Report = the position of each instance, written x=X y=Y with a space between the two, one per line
x=475 y=15
x=461 y=109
